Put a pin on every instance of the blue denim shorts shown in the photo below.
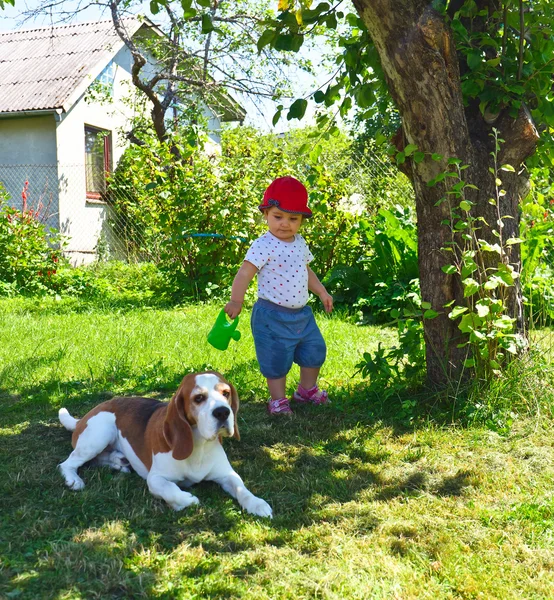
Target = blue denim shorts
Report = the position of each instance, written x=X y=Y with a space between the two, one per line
x=283 y=336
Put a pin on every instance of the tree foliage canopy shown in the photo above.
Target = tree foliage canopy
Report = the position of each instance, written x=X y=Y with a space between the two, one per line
x=505 y=51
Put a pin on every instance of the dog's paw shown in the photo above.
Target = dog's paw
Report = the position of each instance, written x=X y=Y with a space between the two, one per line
x=183 y=500
x=72 y=480
x=259 y=507
x=118 y=462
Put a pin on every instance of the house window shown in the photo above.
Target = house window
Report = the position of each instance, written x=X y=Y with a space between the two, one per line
x=98 y=161
x=107 y=77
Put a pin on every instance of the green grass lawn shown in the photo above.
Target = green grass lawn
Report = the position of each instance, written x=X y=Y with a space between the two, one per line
x=363 y=508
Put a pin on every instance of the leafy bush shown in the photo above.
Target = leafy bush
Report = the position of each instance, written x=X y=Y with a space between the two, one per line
x=113 y=283
x=197 y=216
x=385 y=275
x=30 y=251
x=537 y=251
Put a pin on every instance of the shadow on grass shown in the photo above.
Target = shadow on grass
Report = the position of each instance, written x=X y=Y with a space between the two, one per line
x=89 y=543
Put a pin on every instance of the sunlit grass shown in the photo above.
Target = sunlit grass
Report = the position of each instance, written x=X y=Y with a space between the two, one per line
x=365 y=507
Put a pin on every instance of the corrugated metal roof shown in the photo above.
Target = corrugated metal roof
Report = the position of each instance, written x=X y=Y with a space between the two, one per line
x=40 y=68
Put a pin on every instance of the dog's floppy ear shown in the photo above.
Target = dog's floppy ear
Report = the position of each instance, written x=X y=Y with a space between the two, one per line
x=177 y=430
x=235 y=409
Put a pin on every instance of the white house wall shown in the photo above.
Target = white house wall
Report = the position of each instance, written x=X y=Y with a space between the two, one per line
x=82 y=219
x=28 y=153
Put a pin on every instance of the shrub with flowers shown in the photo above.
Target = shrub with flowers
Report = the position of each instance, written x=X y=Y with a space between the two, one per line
x=30 y=251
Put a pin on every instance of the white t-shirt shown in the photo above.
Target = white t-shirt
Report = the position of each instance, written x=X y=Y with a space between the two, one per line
x=282 y=269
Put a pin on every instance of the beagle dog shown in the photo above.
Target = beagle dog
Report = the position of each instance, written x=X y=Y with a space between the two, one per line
x=165 y=443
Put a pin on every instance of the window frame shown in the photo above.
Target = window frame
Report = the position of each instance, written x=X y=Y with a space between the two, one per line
x=107 y=155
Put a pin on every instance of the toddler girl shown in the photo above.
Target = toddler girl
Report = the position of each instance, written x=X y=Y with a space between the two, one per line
x=283 y=327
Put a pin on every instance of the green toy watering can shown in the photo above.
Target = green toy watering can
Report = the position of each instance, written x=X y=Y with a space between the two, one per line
x=222 y=331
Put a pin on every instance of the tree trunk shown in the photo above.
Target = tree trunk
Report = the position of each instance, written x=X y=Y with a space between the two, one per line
x=420 y=63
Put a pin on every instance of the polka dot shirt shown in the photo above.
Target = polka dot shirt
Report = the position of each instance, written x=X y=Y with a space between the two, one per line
x=282 y=269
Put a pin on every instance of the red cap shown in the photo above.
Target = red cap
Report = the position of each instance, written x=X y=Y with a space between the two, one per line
x=287 y=194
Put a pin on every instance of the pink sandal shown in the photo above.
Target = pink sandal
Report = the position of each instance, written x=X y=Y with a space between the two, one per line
x=279 y=407
x=315 y=395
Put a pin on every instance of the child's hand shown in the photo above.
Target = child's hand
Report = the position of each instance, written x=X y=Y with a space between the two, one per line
x=327 y=301
x=233 y=308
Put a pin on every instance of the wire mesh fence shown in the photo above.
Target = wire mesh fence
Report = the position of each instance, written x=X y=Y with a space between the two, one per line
x=57 y=195
x=94 y=229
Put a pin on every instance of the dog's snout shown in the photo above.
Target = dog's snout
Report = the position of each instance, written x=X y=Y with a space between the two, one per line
x=221 y=413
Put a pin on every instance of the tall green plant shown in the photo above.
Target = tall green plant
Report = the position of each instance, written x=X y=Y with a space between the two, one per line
x=486 y=275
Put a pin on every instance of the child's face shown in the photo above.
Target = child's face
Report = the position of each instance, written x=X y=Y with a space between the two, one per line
x=283 y=225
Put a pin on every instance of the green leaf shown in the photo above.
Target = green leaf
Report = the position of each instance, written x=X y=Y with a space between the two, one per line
x=469 y=323
x=469 y=266
x=456 y=312
x=469 y=363
x=514 y=240
x=365 y=95
x=470 y=287
x=154 y=7
x=425 y=305
x=482 y=309
x=297 y=109
x=319 y=97
x=506 y=276
x=504 y=322
x=207 y=24
x=316 y=153
x=508 y=168
x=512 y=348
x=492 y=283
x=474 y=59
x=410 y=149
x=331 y=21
x=449 y=269
x=486 y=247
x=291 y=42
x=277 y=116
x=465 y=205
x=418 y=156
x=266 y=39
x=430 y=314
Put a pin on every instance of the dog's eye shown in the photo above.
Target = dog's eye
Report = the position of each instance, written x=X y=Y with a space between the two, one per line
x=226 y=393
x=199 y=398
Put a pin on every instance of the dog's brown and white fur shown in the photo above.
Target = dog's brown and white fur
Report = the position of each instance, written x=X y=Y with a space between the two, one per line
x=164 y=442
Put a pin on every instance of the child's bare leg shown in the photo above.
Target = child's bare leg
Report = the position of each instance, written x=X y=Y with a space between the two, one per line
x=307 y=390
x=279 y=404
x=277 y=388
x=308 y=377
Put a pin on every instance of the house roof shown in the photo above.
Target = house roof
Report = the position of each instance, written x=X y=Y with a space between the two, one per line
x=41 y=69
